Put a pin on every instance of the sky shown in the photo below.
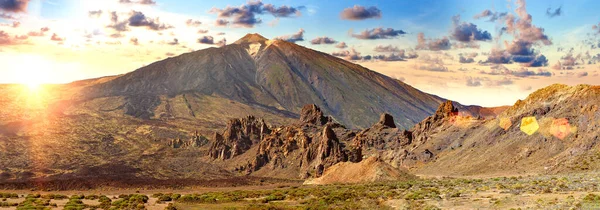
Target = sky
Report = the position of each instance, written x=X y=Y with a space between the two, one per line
x=488 y=53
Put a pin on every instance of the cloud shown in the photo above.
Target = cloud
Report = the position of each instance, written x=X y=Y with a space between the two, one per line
x=283 y=11
x=41 y=32
x=210 y=40
x=408 y=55
x=463 y=59
x=493 y=16
x=360 y=13
x=206 y=40
x=323 y=40
x=341 y=45
x=220 y=33
x=582 y=74
x=351 y=54
x=142 y=2
x=296 y=37
x=192 y=23
x=473 y=81
x=467 y=32
x=522 y=72
x=433 y=44
x=134 y=41
x=7 y=39
x=553 y=13
x=434 y=67
x=569 y=59
x=16 y=24
x=7 y=16
x=221 y=22
x=596 y=29
x=136 y=19
x=245 y=15
x=397 y=54
x=174 y=42
x=57 y=38
x=95 y=13
x=378 y=33
x=499 y=57
x=388 y=48
x=392 y=57
x=526 y=35
x=15 y=6
x=117 y=35
x=538 y=61
x=501 y=82
x=202 y=31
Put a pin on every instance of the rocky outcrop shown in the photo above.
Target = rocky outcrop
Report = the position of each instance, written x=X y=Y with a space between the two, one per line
x=382 y=139
x=386 y=120
x=312 y=114
x=238 y=137
x=444 y=112
x=306 y=148
x=196 y=141
x=329 y=151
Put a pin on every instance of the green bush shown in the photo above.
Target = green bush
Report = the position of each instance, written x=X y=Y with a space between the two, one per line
x=75 y=203
x=273 y=198
x=165 y=197
x=9 y=195
x=54 y=196
x=170 y=207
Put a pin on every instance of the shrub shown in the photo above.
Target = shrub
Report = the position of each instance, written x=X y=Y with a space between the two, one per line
x=9 y=195
x=75 y=203
x=170 y=207
x=273 y=198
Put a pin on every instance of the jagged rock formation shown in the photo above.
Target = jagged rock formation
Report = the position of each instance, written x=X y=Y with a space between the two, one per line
x=238 y=137
x=301 y=150
x=445 y=112
x=196 y=141
x=312 y=114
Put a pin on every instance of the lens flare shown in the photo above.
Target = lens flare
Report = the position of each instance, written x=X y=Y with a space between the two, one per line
x=505 y=123
x=560 y=128
x=529 y=125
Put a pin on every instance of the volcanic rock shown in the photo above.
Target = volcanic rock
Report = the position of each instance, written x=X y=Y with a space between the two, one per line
x=196 y=141
x=312 y=114
x=238 y=137
x=387 y=120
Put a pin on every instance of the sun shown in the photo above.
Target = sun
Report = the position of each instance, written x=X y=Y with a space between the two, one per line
x=33 y=86
x=33 y=72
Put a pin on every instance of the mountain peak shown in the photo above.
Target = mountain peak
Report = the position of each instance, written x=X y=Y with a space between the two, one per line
x=251 y=38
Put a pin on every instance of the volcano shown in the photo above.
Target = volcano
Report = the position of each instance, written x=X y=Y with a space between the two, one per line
x=276 y=76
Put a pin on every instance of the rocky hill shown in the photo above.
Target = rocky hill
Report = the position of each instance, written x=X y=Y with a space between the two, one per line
x=556 y=129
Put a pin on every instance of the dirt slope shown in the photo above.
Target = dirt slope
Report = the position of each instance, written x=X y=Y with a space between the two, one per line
x=371 y=169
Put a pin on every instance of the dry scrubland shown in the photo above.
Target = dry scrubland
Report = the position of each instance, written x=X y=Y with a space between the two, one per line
x=574 y=191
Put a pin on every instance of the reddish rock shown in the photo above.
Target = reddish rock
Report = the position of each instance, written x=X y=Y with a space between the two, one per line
x=238 y=137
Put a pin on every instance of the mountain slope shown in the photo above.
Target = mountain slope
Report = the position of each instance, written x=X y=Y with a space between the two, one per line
x=275 y=75
x=567 y=137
